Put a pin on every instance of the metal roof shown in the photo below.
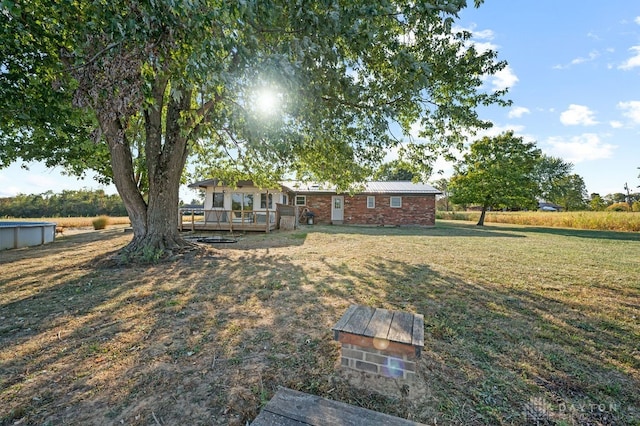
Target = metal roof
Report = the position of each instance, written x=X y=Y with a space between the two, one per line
x=393 y=187
x=217 y=182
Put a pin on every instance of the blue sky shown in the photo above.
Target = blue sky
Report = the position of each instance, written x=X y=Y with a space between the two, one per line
x=574 y=79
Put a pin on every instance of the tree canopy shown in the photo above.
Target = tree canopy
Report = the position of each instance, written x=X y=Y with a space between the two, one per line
x=130 y=89
x=496 y=172
x=396 y=170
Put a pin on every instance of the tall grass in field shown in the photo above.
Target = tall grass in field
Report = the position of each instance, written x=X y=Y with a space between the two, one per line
x=606 y=221
x=76 y=222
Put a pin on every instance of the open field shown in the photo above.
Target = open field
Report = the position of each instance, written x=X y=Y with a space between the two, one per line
x=74 y=222
x=604 y=221
x=523 y=325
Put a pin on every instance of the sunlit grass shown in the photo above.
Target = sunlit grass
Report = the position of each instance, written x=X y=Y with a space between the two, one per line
x=611 y=221
x=516 y=318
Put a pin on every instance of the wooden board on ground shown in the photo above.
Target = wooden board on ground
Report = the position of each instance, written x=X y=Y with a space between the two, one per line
x=293 y=408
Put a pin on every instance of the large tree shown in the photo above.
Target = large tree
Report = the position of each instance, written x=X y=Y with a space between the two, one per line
x=130 y=88
x=550 y=171
x=442 y=184
x=396 y=170
x=496 y=172
x=571 y=193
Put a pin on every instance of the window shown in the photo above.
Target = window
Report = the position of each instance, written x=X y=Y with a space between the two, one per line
x=371 y=202
x=395 y=202
x=266 y=201
x=218 y=200
x=241 y=201
x=301 y=200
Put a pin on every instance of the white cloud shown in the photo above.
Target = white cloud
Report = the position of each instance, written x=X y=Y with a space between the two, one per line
x=633 y=61
x=498 y=130
x=592 y=56
x=616 y=124
x=503 y=79
x=517 y=112
x=484 y=47
x=631 y=110
x=637 y=20
x=483 y=34
x=586 y=147
x=481 y=39
x=577 y=115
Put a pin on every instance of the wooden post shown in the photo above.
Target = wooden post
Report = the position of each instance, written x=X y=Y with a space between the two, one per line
x=267 y=220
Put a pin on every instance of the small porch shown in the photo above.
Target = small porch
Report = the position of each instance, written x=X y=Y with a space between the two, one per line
x=227 y=220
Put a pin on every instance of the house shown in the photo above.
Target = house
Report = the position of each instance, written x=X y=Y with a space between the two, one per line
x=243 y=206
x=247 y=207
x=397 y=203
x=549 y=207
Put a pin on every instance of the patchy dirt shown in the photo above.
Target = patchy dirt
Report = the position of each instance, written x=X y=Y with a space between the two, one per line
x=204 y=339
x=208 y=336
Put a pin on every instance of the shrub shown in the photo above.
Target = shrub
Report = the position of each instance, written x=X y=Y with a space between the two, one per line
x=100 y=222
x=618 y=207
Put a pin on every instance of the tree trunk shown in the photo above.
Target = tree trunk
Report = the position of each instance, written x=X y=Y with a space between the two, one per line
x=154 y=221
x=123 y=175
x=481 y=220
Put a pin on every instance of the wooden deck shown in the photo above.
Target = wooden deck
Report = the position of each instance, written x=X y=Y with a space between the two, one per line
x=293 y=408
x=228 y=220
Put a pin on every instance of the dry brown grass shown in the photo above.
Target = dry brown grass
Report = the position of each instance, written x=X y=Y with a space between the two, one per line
x=512 y=317
x=78 y=222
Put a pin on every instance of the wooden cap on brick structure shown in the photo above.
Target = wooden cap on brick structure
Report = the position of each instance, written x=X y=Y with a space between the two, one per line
x=394 y=332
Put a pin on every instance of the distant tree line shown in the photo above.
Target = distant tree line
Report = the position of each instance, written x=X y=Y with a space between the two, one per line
x=505 y=173
x=69 y=203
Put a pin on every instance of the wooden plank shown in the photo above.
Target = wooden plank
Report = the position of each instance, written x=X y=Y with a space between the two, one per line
x=379 y=324
x=359 y=320
x=317 y=411
x=267 y=418
x=401 y=328
x=337 y=328
x=418 y=330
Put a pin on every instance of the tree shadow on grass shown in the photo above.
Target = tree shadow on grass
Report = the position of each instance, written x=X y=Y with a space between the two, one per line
x=492 y=351
x=208 y=339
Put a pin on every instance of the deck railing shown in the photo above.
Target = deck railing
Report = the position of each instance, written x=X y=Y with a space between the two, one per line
x=227 y=219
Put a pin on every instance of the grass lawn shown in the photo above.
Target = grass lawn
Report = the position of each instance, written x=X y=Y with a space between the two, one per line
x=523 y=325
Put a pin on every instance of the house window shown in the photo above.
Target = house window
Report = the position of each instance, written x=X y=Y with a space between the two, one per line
x=301 y=200
x=241 y=201
x=266 y=201
x=218 y=200
x=371 y=202
x=395 y=202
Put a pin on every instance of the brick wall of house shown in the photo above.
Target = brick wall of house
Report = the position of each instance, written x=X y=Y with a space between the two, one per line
x=320 y=205
x=416 y=210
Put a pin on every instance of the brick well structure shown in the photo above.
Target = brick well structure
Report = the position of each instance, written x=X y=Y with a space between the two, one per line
x=379 y=341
